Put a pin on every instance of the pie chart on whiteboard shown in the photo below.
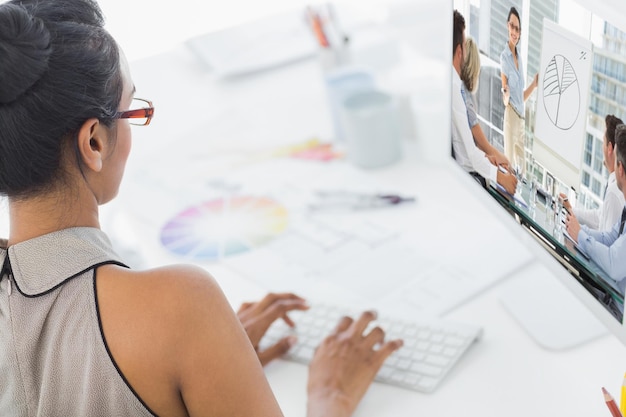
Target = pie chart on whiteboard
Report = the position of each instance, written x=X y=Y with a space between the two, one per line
x=561 y=93
x=224 y=227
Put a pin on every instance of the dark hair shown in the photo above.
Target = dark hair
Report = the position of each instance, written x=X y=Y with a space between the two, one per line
x=457 y=33
x=513 y=11
x=58 y=68
x=620 y=144
x=611 y=123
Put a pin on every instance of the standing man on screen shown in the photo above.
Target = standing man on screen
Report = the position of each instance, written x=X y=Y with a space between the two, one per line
x=607 y=248
x=465 y=151
x=603 y=218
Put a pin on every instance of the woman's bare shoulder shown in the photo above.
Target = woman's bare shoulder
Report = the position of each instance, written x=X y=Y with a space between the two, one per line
x=175 y=335
x=158 y=284
x=181 y=296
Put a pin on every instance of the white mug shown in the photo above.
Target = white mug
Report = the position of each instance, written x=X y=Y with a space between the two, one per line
x=341 y=84
x=372 y=129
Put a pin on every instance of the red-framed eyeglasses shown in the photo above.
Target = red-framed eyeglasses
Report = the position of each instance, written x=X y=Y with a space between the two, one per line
x=139 y=116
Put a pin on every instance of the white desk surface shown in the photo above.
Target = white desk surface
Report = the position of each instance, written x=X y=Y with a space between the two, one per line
x=506 y=373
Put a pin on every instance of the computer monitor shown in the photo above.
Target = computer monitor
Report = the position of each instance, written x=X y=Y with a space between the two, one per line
x=578 y=50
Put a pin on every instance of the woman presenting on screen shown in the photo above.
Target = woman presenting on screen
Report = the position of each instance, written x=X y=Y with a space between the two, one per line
x=514 y=95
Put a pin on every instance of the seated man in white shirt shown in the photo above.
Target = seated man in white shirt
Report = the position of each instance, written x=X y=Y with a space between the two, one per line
x=465 y=151
x=604 y=217
x=607 y=248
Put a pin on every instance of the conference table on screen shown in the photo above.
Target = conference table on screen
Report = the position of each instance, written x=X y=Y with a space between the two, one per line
x=539 y=214
x=173 y=165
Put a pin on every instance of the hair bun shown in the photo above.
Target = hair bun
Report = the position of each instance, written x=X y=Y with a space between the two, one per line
x=24 y=51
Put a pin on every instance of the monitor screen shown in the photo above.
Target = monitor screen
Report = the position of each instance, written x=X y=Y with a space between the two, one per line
x=550 y=72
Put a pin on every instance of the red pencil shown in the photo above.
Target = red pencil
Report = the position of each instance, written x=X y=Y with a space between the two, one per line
x=610 y=402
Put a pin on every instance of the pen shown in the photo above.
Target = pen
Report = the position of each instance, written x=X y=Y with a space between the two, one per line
x=610 y=403
x=341 y=37
x=622 y=402
x=355 y=201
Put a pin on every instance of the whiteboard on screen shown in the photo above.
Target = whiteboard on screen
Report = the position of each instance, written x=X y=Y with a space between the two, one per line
x=564 y=80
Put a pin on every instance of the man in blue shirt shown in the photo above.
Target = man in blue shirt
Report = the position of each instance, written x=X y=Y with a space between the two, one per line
x=607 y=248
x=604 y=217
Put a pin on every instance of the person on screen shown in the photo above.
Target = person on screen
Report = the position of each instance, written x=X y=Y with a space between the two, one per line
x=604 y=217
x=80 y=333
x=465 y=151
x=513 y=93
x=607 y=248
x=470 y=75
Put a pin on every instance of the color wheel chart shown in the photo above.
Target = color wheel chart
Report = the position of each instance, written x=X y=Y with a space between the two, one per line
x=224 y=227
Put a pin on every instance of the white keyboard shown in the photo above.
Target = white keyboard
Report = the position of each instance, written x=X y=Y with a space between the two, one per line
x=430 y=350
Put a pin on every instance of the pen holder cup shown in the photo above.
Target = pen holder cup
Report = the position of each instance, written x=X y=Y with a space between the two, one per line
x=341 y=84
x=372 y=129
x=334 y=58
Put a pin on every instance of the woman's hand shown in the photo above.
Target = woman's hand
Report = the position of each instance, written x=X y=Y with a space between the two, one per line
x=506 y=95
x=257 y=317
x=344 y=366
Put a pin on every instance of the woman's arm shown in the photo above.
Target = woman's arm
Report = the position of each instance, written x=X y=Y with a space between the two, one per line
x=484 y=145
x=529 y=90
x=180 y=345
x=220 y=373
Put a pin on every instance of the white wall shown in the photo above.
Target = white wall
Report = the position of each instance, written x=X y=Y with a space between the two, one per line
x=147 y=27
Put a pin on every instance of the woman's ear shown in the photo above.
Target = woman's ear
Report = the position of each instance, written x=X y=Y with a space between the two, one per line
x=91 y=144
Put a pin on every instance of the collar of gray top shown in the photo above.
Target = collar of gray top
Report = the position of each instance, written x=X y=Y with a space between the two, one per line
x=42 y=264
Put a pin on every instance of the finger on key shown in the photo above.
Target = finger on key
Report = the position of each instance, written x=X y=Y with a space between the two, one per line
x=374 y=337
x=344 y=323
x=359 y=326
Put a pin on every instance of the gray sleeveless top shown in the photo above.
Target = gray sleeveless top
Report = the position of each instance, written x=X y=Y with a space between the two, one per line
x=54 y=360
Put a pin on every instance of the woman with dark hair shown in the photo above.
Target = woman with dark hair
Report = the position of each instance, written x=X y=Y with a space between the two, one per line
x=514 y=94
x=80 y=333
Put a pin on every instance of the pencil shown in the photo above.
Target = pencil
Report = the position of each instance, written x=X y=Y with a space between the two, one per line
x=610 y=402
x=318 y=29
x=622 y=402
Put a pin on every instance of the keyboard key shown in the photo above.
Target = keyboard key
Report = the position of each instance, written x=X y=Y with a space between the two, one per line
x=455 y=341
x=428 y=384
x=412 y=379
x=440 y=361
x=435 y=348
x=450 y=352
